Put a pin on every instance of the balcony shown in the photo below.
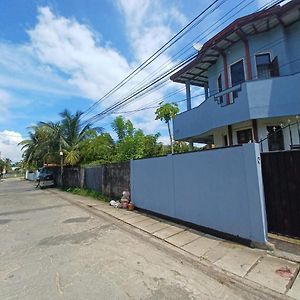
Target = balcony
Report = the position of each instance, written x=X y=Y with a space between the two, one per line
x=273 y=97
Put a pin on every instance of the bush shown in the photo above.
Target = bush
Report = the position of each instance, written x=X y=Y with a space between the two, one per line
x=88 y=193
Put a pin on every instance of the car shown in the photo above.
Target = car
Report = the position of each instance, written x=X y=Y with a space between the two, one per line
x=45 y=178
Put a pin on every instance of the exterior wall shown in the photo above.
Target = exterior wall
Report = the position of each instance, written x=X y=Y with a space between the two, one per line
x=238 y=127
x=273 y=42
x=293 y=46
x=282 y=42
x=220 y=189
x=257 y=99
x=262 y=131
x=274 y=97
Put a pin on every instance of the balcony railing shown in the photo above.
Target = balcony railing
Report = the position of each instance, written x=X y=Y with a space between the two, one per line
x=273 y=97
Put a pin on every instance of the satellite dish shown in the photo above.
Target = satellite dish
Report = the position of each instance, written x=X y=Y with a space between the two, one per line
x=197 y=46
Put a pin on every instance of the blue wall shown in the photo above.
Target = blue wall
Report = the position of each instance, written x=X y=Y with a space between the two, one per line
x=283 y=42
x=220 y=189
x=274 y=97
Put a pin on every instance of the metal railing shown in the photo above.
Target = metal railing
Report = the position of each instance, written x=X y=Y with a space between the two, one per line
x=289 y=127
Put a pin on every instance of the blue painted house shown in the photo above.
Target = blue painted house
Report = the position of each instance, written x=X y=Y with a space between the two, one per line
x=250 y=72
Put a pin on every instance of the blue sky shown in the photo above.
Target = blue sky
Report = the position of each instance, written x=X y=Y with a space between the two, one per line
x=67 y=54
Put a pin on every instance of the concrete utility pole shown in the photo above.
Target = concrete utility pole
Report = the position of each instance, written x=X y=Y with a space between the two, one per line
x=61 y=154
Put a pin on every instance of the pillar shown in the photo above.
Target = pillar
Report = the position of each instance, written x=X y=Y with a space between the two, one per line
x=188 y=95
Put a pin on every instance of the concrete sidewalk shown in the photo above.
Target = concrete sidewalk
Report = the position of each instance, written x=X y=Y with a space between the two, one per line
x=262 y=267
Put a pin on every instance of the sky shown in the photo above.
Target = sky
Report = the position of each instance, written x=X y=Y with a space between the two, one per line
x=68 y=54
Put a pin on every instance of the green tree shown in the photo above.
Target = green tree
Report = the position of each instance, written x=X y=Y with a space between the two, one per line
x=167 y=112
x=133 y=143
x=123 y=128
x=98 y=148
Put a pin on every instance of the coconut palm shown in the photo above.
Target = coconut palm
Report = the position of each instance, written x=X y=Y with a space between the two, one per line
x=36 y=147
x=68 y=135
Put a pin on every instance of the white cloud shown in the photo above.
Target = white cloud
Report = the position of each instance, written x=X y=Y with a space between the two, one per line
x=9 y=145
x=147 y=23
x=68 y=58
x=65 y=57
x=20 y=69
x=74 y=49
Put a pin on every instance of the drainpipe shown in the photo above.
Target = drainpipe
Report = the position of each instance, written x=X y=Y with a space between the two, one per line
x=188 y=105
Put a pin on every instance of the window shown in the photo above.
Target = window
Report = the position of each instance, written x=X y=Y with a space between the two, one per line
x=237 y=75
x=263 y=63
x=220 y=88
x=244 y=136
x=275 y=138
x=265 y=67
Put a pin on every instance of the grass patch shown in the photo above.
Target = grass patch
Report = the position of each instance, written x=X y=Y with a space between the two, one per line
x=88 y=193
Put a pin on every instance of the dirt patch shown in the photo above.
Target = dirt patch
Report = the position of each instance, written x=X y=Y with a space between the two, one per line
x=77 y=220
x=86 y=236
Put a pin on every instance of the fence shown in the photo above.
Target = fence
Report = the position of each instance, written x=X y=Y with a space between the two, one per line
x=281 y=177
x=109 y=179
x=220 y=190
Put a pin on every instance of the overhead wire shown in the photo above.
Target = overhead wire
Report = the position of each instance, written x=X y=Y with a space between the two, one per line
x=116 y=105
x=157 y=53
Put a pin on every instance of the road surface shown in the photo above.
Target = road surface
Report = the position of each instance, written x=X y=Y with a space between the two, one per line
x=53 y=249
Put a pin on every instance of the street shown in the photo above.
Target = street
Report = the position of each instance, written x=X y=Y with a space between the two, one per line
x=53 y=249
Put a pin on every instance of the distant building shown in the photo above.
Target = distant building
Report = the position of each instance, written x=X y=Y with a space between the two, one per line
x=251 y=75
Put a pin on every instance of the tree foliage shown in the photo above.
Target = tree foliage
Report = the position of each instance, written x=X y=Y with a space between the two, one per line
x=85 y=145
x=167 y=112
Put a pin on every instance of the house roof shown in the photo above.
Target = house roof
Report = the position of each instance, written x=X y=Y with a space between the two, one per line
x=196 y=71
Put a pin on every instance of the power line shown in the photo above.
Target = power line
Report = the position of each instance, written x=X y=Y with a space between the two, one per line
x=274 y=2
x=124 y=100
x=127 y=99
x=156 y=54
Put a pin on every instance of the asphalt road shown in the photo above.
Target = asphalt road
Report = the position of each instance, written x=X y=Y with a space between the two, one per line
x=53 y=249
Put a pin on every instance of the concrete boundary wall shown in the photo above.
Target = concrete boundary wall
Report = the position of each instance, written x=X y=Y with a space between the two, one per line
x=220 y=189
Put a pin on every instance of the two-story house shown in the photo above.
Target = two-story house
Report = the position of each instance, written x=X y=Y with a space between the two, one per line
x=250 y=72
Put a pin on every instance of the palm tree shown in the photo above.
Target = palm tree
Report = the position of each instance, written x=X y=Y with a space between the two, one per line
x=68 y=135
x=48 y=139
x=36 y=148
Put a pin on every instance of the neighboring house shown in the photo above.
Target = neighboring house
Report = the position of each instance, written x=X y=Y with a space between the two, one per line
x=250 y=72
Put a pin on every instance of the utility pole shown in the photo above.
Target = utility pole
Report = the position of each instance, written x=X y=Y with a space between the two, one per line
x=61 y=154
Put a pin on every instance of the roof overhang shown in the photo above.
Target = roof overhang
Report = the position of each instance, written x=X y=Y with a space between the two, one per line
x=196 y=72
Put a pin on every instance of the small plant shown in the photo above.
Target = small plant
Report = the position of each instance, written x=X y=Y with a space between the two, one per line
x=88 y=193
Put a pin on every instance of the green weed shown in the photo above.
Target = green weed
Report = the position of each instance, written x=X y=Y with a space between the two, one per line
x=88 y=193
